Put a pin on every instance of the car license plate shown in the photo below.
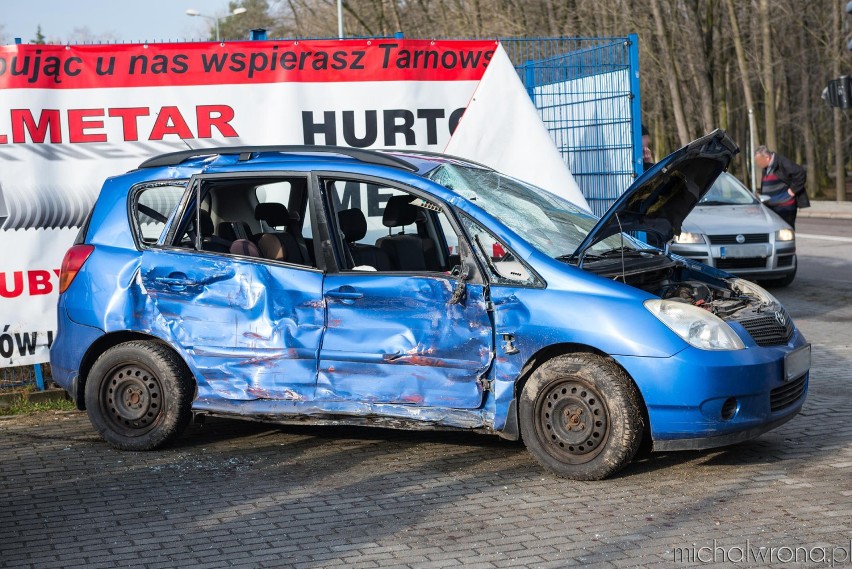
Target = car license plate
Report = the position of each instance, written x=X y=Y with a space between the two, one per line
x=797 y=362
x=740 y=251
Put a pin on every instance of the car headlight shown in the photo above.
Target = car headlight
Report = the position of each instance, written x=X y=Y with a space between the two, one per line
x=687 y=237
x=749 y=288
x=696 y=326
x=785 y=235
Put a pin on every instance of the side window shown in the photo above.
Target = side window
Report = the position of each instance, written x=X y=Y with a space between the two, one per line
x=274 y=192
x=503 y=266
x=450 y=236
x=151 y=209
x=249 y=216
x=388 y=229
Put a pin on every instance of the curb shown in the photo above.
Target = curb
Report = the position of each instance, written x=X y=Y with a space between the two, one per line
x=54 y=394
x=825 y=214
x=827 y=209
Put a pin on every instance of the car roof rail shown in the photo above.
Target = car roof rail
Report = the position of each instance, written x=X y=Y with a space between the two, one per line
x=430 y=154
x=245 y=152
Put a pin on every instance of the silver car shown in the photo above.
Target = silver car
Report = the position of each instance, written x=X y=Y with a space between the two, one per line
x=732 y=230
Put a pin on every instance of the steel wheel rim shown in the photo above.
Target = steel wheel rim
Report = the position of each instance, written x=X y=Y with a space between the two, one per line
x=572 y=422
x=132 y=399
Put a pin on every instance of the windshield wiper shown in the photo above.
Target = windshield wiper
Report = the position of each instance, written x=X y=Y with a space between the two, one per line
x=609 y=253
x=627 y=251
x=715 y=202
x=567 y=258
x=586 y=257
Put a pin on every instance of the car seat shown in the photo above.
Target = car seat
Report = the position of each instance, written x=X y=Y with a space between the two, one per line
x=233 y=230
x=209 y=240
x=244 y=247
x=278 y=245
x=353 y=225
x=404 y=250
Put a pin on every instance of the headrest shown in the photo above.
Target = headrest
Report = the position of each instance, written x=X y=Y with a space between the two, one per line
x=353 y=224
x=399 y=212
x=206 y=223
x=244 y=247
x=274 y=214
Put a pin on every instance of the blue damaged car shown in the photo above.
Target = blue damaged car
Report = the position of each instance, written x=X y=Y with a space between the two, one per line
x=404 y=289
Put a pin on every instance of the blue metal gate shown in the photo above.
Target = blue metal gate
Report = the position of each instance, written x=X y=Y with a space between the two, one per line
x=587 y=93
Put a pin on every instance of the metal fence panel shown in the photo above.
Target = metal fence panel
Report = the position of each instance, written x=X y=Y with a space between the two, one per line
x=16 y=377
x=587 y=93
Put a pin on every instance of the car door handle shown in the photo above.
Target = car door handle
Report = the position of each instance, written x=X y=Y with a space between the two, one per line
x=175 y=283
x=345 y=294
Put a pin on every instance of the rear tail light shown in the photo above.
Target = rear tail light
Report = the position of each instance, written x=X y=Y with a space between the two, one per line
x=72 y=263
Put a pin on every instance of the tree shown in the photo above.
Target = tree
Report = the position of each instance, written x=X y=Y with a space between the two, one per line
x=839 y=157
x=39 y=37
x=768 y=74
x=668 y=61
x=256 y=16
x=704 y=63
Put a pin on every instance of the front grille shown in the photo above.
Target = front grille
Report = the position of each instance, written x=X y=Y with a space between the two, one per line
x=767 y=330
x=732 y=239
x=784 y=396
x=741 y=263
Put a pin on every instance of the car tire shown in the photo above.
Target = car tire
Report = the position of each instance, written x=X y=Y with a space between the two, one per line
x=580 y=417
x=139 y=395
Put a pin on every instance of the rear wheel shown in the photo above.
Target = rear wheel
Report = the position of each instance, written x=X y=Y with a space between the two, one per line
x=580 y=417
x=139 y=396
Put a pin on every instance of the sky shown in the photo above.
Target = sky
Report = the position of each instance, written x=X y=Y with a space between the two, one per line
x=64 y=21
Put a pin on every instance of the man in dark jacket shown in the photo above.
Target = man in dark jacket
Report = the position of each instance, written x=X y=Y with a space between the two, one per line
x=784 y=182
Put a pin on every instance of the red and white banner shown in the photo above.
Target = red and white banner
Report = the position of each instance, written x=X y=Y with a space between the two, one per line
x=71 y=116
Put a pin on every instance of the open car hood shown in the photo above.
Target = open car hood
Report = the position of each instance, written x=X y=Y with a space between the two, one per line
x=661 y=198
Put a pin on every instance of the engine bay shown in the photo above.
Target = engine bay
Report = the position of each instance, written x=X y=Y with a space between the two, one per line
x=679 y=281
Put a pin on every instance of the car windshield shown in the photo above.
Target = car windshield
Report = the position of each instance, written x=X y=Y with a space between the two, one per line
x=551 y=224
x=727 y=190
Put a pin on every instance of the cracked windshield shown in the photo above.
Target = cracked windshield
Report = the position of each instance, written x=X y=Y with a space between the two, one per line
x=555 y=226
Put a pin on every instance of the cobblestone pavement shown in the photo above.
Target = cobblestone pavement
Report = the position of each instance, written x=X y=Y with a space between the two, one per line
x=237 y=494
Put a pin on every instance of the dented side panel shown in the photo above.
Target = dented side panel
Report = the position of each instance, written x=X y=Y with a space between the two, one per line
x=398 y=339
x=252 y=330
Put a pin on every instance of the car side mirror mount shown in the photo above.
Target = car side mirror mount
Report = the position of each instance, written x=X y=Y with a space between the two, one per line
x=463 y=273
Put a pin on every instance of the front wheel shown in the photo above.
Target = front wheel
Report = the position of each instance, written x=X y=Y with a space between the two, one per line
x=580 y=417
x=139 y=395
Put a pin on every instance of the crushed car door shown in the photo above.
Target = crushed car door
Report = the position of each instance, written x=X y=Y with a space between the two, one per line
x=396 y=334
x=251 y=327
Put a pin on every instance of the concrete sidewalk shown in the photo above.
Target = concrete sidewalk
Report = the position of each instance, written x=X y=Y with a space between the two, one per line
x=828 y=209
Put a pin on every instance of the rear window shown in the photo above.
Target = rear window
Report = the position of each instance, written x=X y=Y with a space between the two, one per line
x=152 y=208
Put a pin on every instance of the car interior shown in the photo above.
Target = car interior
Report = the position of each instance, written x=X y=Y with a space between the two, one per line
x=387 y=229
x=380 y=229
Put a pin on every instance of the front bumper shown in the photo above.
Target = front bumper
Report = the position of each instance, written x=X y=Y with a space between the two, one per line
x=770 y=260
x=701 y=399
x=699 y=443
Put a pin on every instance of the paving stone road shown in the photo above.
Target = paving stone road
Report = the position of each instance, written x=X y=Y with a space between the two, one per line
x=237 y=494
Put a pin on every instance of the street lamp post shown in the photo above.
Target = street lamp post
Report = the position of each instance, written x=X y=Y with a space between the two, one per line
x=234 y=12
